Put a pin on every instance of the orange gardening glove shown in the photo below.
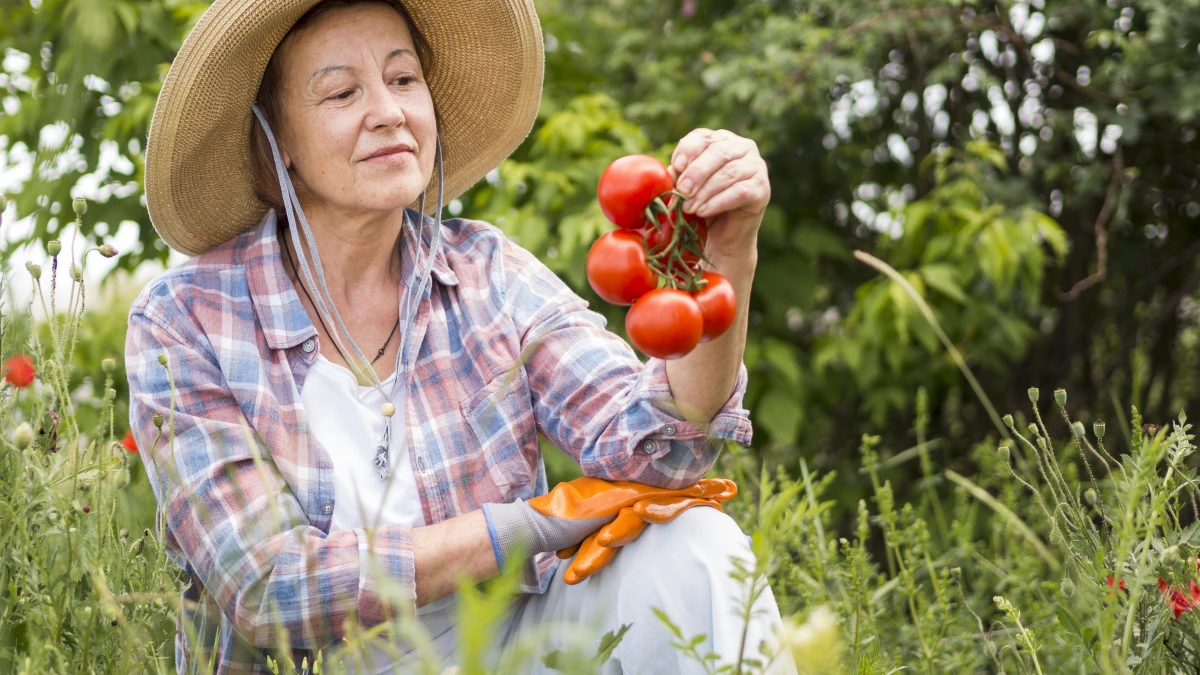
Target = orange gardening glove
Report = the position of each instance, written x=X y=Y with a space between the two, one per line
x=599 y=548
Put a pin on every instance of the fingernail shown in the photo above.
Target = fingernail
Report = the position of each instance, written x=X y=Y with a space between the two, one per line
x=685 y=186
x=680 y=162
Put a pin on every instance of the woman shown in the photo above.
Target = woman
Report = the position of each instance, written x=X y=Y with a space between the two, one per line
x=308 y=482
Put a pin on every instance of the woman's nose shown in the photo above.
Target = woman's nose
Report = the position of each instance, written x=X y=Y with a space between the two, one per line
x=385 y=108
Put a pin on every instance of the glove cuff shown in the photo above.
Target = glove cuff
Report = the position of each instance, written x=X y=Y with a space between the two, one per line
x=516 y=528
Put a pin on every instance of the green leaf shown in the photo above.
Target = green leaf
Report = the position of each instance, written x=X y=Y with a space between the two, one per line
x=944 y=279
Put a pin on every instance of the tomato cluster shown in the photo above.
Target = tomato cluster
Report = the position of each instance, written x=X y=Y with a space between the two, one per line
x=653 y=262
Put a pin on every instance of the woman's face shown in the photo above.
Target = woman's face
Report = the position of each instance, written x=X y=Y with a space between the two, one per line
x=352 y=87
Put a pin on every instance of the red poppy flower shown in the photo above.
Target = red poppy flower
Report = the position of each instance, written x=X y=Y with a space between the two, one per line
x=128 y=443
x=1109 y=581
x=19 y=370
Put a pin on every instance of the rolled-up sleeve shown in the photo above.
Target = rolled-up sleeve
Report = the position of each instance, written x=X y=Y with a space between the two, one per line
x=230 y=513
x=595 y=400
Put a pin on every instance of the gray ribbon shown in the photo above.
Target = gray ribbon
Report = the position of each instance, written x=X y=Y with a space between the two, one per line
x=414 y=292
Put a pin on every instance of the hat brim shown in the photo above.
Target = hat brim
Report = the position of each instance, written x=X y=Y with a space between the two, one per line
x=485 y=79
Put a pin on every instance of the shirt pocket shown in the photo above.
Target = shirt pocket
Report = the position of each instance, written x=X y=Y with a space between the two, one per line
x=501 y=419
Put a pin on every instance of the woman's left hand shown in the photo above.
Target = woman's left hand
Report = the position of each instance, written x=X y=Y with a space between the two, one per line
x=725 y=182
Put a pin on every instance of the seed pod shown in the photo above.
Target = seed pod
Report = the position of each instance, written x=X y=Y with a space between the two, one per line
x=1067 y=587
x=157 y=418
x=1034 y=394
x=79 y=204
x=121 y=480
x=53 y=247
x=110 y=394
x=76 y=272
x=1078 y=430
x=1003 y=451
x=22 y=436
x=1098 y=429
x=1060 y=397
x=107 y=250
x=35 y=271
x=1089 y=496
x=108 y=364
x=1033 y=429
x=1008 y=421
x=162 y=358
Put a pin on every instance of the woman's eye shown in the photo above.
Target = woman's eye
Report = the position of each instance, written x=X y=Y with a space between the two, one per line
x=343 y=96
x=404 y=79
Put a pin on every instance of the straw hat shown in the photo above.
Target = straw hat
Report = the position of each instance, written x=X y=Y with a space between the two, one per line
x=486 y=81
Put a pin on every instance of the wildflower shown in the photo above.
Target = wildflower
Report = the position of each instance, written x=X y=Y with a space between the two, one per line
x=19 y=370
x=22 y=436
x=1109 y=582
x=53 y=247
x=1169 y=556
x=79 y=205
x=1060 y=397
x=1150 y=430
x=1034 y=394
x=128 y=443
x=1098 y=429
x=1179 y=601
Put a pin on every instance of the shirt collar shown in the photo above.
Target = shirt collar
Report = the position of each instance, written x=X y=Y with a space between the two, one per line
x=284 y=320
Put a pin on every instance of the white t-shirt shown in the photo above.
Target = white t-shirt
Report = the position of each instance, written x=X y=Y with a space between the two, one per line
x=345 y=418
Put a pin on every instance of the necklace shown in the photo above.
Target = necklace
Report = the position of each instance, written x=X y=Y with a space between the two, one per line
x=339 y=350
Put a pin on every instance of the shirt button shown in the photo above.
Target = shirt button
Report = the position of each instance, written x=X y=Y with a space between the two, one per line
x=649 y=446
x=308 y=347
x=669 y=430
x=327 y=508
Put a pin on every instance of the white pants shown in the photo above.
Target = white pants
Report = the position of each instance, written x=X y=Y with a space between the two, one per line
x=681 y=567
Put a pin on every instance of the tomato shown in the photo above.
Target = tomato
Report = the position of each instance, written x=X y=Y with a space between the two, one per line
x=690 y=245
x=617 y=268
x=665 y=323
x=628 y=186
x=19 y=370
x=718 y=305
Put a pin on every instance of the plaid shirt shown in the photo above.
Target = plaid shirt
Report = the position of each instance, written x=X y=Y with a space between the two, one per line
x=500 y=351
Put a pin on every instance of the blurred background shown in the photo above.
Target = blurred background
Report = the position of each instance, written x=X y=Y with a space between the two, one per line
x=1029 y=166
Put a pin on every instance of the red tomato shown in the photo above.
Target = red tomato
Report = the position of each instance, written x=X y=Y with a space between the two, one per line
x=628 y=186
x=665 y=323
x=718 y=305
x=617 y=267
x=128 y=443
x=19 y=370
x=661 y=235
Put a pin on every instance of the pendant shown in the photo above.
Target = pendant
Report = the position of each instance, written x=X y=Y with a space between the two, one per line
x=381 y=462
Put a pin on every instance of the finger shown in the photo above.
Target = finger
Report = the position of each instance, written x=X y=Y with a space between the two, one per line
x=591 y=558
x=727 y=174
x=748 y=195
x=624 y=529
x=690 y=147
x=720 y=489
x=564 y=553
x=666 y=509
x=703 y=166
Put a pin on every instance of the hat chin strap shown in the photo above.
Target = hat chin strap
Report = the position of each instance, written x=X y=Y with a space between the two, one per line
x=414 y=289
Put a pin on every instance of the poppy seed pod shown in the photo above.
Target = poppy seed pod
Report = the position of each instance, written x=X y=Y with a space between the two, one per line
x=108 y=364
x=1033 y=429
x=1003 y=451
x=53 y=247
x=1098 y=428
x=76 y=272
x=1089 y=496
x=1169 y=556
x=162 y=358
x=1078 y=430
x=1034 y=395
x=1008 y=421
x=157 y=418
x=79 y=205
x=107 y=250
x=1060 y=397
x=35 y=271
